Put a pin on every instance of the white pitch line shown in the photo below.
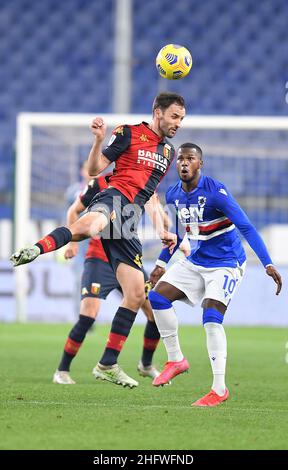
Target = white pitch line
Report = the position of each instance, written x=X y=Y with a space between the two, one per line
x=224 y=408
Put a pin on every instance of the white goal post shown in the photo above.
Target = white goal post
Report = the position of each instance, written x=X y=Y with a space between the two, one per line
x=49 y=145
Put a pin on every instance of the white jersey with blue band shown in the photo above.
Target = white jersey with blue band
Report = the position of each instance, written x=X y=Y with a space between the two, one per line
x=209 y=215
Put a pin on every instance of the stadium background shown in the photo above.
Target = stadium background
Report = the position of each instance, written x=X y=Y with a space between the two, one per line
x=67 y=57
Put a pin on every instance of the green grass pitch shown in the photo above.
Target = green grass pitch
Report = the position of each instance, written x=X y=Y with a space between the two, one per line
x=96 y=415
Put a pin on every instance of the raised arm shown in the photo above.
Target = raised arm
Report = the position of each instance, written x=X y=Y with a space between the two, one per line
x=97 y=162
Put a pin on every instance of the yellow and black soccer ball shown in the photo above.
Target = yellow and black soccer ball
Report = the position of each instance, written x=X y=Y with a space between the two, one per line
x=173 y=62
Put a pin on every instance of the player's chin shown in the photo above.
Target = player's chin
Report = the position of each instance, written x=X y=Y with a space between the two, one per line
x=171 y=132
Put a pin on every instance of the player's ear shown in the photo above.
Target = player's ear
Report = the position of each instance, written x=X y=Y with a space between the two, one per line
x=157 y=113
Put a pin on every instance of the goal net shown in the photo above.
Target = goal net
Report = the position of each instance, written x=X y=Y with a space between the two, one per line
x=248 y=154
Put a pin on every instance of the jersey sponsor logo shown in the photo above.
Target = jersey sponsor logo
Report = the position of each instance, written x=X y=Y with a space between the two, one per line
x=193 y=213
x=84 y=291
x=153 y=159
x=144 y=138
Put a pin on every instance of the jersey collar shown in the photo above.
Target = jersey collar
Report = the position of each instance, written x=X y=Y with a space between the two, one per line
x=152 y=133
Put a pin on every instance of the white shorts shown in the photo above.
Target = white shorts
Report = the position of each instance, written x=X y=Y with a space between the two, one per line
x=199 y=283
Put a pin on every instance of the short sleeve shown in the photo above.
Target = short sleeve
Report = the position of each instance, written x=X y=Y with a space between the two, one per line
x=119 y=142
x=89 y=192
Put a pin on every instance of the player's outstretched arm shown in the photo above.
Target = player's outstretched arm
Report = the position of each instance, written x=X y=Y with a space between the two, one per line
x=161 y=222
x=272 y=271
x=97 y=162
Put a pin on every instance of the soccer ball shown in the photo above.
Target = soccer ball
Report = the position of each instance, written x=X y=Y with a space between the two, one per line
x=173 y=62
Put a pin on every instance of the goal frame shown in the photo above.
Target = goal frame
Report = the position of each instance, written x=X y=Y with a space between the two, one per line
x=25 y=123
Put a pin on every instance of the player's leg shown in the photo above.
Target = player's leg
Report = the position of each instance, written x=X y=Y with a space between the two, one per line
x=220 y=286
x=94 y=286
x=180 y=282
x=213 y=314
x=150 y=343
x=167 y=322
x=89 y=309
x=133 y=298
x=89 y=225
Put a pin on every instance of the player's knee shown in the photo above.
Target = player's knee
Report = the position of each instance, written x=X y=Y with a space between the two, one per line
x=211 y=315
x=158 y=301
x=90 y=307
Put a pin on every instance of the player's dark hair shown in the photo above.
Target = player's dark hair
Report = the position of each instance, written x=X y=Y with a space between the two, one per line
x=164 y=100
x=189 y=145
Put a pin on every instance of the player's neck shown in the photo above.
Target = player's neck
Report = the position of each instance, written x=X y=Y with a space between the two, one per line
x=153 y=126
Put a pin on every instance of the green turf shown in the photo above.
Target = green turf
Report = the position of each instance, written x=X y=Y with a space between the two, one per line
x=36 y=414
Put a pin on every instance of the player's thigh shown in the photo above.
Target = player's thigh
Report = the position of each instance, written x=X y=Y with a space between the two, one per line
x=184 y=277
x=222 y=283
x=131 y=281
x=89 y=225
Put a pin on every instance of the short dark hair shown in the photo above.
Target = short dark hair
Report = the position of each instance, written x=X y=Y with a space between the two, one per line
x=189 y=145
x=164 y=100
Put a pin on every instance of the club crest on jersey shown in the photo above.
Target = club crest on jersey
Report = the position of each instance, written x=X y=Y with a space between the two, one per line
x=167 y=151
x=144 y=138
x=201 y=201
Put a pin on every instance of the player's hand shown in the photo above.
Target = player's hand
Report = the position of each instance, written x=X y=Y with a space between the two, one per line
x=185 y=247
x=98 y=127
x=272 y=271
x=169 y=240
x=71 y=250
x=156 y=274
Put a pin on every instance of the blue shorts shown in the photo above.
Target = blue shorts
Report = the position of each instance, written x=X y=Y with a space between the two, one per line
x=98 y=279
x=119 y=238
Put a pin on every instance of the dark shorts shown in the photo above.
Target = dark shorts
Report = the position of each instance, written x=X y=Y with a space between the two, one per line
x=98 y=279
x=120 y=240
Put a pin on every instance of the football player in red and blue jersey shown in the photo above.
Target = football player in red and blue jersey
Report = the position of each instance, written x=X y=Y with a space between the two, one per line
x=142 y=156
x=212 y=271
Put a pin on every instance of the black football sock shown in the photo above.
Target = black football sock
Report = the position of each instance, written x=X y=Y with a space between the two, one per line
x=54 y=240
x=151 y=340
x=120 y=329
x=74 y=341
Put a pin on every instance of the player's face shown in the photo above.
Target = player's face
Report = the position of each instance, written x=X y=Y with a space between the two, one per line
x=188 y=164
x=170 y=119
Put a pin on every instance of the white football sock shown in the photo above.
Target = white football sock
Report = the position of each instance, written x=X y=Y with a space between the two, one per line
x=167 y=323
x=217 y=351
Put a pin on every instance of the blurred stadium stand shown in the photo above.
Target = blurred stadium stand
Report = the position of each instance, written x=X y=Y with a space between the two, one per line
x=58 y=56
